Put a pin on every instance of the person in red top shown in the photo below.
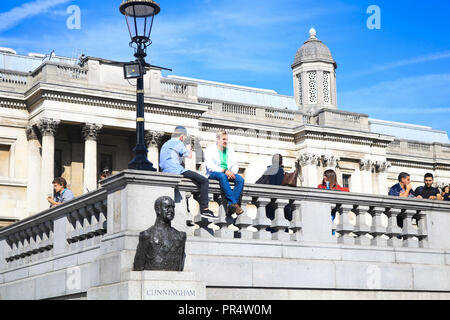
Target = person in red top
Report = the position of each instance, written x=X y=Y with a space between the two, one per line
x=330 y=182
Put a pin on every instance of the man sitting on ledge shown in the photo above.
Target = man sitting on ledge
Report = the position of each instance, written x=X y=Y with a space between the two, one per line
x=222 y=165
x=172 y=153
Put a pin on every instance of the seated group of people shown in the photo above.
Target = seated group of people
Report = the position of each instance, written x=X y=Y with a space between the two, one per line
x=404 y=188
x=222 y=165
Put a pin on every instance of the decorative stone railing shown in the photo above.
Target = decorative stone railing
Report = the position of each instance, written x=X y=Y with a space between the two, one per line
x=343 y=119
x=97 y=234
x=174 y=87
x=360 y=219
x=79 y=223
x=13 y=78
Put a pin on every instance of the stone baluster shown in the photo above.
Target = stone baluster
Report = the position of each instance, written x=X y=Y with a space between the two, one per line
x=101 y=208
x=296 y=222
x=74 y=235
x=203 y=229
x=376 y=229
x=280 y=223
x=344 y=227
x=261 y=222
x=26 y=243
x=243 y=221
x=361 y=228
x=334 y=211
x=19 y=241
x=93 y=215
x=393 y=231
x=408 y=231
x=422 y=233
x=224 y=219
x=31 y=236
x=39 y=238
x=84 y=220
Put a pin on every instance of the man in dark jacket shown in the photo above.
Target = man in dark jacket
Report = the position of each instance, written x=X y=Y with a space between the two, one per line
x=428 y=191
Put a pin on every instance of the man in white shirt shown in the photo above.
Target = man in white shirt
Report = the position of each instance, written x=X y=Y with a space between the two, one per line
x=222 y=165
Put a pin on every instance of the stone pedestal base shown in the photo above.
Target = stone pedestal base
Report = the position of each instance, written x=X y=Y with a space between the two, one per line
x=152 y=285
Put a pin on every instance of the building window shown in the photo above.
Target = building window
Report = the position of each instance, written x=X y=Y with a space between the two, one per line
x=346 y=180
x=326 y=87
x=312 y=87
x=300 y=89
x=5 y=155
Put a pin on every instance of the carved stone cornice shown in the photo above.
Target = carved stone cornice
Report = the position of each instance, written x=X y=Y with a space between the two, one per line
x=330 y=161
x=309 y=159
x=31 y=133
x=153 y=138
x=366 y=164
x=90 y=131
x=48 y=127
x=382 y=166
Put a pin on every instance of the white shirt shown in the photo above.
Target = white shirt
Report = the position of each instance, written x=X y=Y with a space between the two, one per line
x=212 y=160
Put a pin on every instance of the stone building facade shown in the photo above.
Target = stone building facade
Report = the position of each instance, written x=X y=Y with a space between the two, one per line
x=59 y=117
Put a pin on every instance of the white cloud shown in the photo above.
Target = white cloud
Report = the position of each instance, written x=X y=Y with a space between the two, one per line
x=14 y=16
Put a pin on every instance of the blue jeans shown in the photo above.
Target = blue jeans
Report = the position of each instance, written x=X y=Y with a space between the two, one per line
x=232 y=195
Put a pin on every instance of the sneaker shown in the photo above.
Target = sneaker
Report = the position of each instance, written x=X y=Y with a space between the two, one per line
x=235 y=208
x=231 y=209
x=239 y=210
x=190 y=223
x=208 y=214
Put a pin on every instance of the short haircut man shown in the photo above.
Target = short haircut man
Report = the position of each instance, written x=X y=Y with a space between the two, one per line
x=403 y=188
x=62 y=194
x=171 y=158
x=427 y=191
x=221 y=164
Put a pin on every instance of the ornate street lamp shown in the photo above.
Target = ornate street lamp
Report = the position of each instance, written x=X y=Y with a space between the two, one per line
x=139 y=15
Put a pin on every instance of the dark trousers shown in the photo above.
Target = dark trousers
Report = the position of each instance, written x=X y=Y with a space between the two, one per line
x=202 y=183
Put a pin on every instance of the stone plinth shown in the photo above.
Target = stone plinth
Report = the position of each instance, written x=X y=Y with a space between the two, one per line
x=152 y=285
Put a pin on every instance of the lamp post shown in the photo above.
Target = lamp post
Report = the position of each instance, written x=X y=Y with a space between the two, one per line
x=139 y=15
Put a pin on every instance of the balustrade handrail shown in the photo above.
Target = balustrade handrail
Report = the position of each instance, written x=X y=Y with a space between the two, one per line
x=55 y=212
x=328 y=196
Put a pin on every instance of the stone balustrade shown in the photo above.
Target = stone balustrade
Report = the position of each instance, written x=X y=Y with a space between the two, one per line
x=361 y=219
x=70 y=227
x=98 y=234
x=10 y=78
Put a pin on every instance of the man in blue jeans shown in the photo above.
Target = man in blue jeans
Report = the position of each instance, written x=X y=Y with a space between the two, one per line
x=222 y=165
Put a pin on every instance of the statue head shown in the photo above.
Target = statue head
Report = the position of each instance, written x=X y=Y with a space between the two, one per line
x=165 y=208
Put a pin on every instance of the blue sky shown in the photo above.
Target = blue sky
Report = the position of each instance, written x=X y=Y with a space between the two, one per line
x=398 y=73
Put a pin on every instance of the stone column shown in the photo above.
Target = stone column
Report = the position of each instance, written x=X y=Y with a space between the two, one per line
x=382 y=168
x=366 y=175
x=90 y=133
x=309 y=169
x=153 y=141
x=48 y=128
x=34 y=171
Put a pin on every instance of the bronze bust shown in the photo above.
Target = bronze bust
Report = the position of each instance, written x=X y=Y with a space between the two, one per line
x=161 y=247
